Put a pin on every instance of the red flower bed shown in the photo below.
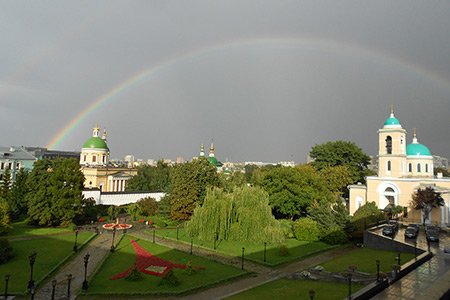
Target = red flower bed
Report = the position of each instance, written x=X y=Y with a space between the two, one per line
x=101 y=219
x=149 y=264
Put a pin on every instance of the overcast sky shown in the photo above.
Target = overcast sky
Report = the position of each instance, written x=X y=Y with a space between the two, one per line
x=263 y=80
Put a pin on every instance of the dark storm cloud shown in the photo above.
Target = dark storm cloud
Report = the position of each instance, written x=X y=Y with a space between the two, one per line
x=321 y=71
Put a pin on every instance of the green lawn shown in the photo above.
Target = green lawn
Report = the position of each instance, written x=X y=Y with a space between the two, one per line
x=21 y=229
x=50 y=252
x=254 y=252
x=364 y=259
x=297 y=289
x=125 y=256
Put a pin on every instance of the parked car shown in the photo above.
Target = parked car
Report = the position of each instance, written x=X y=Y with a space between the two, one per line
x=432 y=235
x=411 y=232
x=388 y=230
x=394 y=225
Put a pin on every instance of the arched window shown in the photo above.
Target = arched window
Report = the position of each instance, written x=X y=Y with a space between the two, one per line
x=410 y=167
x=389 y=165
x=426 y=168
x=418 y=168
x=389 y=144
x=94 y=159
x=84 y=157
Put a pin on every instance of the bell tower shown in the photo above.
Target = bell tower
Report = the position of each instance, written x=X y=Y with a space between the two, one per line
x=392 y=148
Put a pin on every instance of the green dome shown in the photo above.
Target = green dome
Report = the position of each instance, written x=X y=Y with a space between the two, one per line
x=391 y=121
x=212 y=160
x=95 y=142
x=417 y=149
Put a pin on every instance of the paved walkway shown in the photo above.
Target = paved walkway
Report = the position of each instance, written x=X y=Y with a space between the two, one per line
x=98 y=250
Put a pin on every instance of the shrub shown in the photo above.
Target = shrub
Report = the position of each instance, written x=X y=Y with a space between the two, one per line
x=335 y=236
x=306 y=229
x=189 y=269
x=134 y=275
x=148 y=206
x=286 y=227
x=283 y=250
x=169 y=279
x=6 y=251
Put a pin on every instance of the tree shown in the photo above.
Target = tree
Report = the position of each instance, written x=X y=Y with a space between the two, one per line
x=55 y=192
x=4 y=217
x=147 y=206
x=425 y=200
x=5 y=185
x=366 y=215
x=19 y=190
x=337 y=179
x=230 y=181
x=241 y=215
x=292 y=190
x=189 y=184
x=445 y=172
x=151 y=178
x=341 y=153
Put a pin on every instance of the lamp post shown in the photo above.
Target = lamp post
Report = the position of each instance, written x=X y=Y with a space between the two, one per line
x=349 y=286
x=177 y=231
x=242 y=259
x=53 y=288
x=192 y=241
x=398 y=259
x=31 y=259
x=85 y=282
x=32 y=291
x=75 y=246
x=6 y=286
x=415 y=249
x=69 y=278
x=312 y=293
x=265 y=245
x=378 y=270
x=112 y=244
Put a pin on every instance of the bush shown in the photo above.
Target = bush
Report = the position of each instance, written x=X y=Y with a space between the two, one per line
x=335 y=236
x=306 y=229
x=134 y=275
x=283 y=250
x=169 y=279
x=6 y=251
x=148 y=206
x=189 y=269
x=286 y=227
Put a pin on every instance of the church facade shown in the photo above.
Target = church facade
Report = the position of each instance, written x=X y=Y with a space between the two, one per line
x=402 y=169
x=98 y=172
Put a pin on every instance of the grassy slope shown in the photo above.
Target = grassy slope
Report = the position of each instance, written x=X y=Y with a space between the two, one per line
x=50 y=251
x=21 y=229
x=124 y=257
x=254 y=252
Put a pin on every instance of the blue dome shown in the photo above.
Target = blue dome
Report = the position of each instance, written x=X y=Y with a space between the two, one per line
x=392 y=121
x=417 y=149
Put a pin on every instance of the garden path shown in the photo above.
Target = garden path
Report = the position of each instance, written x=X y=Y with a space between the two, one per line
x=98 y=250
x=262 y=274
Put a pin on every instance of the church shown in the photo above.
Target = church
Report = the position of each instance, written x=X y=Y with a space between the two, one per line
x=402 y=169
x=98 y=172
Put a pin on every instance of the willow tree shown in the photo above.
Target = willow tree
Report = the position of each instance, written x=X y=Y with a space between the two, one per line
x=241 y=215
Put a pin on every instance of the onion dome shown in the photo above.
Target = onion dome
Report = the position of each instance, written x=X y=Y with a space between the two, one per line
x=392 y=121
x=95 y=142
x=416 y=148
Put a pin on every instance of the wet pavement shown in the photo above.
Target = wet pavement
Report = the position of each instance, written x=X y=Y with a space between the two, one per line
x=430 y=280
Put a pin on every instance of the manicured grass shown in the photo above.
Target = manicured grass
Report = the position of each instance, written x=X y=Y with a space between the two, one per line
x=124 y=257
x=297 y=289
x=50 y=252
x=254 y=252
x=21 y=229
x=364 y=259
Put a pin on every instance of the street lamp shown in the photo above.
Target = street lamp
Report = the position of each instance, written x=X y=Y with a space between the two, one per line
x=378 y=270
x=112 y=244
x=398 y=259
x=32 y=291
x=242 y=259
x=415 y=249
x=53 y=288
x=6 y=286
x=31 y=259
x=349 y=286
x=85 y=282
x=265 y=246
x=69 y=278
x=312 y=293
x=75 y=246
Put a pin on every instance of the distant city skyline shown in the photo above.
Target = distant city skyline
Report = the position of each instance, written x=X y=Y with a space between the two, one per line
x=263 y=80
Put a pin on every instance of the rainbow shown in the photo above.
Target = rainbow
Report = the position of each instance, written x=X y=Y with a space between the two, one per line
x=314 y=43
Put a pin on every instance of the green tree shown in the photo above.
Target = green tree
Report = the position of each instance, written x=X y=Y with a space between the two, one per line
x=337 y=179
x=147 y=206
x=425 y=200
x=292 y=190
x=55 y=192
x=230 y=181
x=189 y=183
x=366 y=215
x=151 y=178
x=19 y=190
x=4 y=216
x=241 y=215
x=341 y=153
x=5 y=185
